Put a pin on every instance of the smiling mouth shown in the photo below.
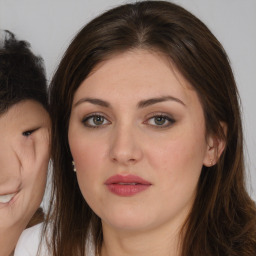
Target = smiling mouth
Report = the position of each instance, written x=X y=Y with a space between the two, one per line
x=6 y=198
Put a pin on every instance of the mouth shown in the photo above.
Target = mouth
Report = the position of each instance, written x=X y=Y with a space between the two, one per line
x=7 y=198
x=128 y=185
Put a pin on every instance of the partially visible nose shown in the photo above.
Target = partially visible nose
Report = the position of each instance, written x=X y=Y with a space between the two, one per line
x=125 y=148
x=9 y=164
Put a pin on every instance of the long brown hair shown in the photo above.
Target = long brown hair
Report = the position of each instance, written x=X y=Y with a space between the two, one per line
x=37 y=218
x=223 y=218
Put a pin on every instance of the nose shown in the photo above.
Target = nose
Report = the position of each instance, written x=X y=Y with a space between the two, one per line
x=125 y=147
x=9 y=164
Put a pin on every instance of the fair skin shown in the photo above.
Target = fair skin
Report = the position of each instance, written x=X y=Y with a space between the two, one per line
x=136 y=115
x=24 y=156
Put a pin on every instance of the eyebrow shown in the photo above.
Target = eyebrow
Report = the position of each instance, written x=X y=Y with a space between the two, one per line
x=149 y=102
x=93 y=101
x=141 y=104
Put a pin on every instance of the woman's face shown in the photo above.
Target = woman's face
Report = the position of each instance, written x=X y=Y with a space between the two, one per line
x=137 y=136
x=24 y=156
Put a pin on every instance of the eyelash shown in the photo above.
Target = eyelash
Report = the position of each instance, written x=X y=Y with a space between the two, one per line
x=28 y=132
x=170 y=121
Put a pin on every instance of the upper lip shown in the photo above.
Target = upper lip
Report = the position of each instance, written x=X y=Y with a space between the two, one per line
x=128 y=179
x=9 y=191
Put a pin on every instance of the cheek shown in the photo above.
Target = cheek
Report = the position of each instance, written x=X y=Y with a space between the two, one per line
x=85 y=152
x=89 y=156
x=33 y=155
x=89 y=162
x=178 y=157
x=10 y=163
x=177 y=166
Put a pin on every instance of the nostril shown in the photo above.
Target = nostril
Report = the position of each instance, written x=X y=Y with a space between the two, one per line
x=124 y=148
x=124 y=159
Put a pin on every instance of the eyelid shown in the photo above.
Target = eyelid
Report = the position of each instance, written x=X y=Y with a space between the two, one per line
x=30 y=131
x=95 y=114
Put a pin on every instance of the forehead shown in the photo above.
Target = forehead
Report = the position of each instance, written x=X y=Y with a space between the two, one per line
x=138 y=73
x=22 y=115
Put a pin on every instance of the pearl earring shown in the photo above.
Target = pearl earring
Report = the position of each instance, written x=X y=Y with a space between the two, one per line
x=74 y=167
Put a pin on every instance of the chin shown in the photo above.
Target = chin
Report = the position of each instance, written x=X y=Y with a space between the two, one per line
x=12 y=220
x=129 y=222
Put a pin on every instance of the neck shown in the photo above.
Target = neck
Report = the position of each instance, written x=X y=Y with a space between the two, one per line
x=161 y=241
x=8 y=240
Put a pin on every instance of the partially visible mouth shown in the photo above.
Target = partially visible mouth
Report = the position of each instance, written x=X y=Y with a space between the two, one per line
x=6 y=198
x=126 y=185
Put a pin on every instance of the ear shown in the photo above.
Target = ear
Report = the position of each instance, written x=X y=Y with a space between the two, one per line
x=215 y=147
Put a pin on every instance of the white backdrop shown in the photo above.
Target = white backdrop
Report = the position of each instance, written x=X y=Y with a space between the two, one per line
x=49 y=25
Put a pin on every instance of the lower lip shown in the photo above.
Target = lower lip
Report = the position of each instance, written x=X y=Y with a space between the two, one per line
x=127 y=190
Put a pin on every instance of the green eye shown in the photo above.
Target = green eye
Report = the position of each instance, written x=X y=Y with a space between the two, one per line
x=95 y=121
x=98 y=120
x=159 y=120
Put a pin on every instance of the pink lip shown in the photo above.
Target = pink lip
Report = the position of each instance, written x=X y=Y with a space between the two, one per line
x=128 y=185
x=8 y=193
x=6 y=190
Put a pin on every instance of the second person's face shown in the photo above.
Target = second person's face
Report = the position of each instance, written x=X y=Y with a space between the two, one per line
x=24 y=157
x=137 y=136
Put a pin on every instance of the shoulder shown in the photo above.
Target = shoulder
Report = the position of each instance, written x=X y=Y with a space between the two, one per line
x=29 y=241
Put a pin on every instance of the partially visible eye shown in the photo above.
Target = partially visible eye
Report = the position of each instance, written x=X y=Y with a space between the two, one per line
x=27 y=133
x=95 y=121
x=160 y=121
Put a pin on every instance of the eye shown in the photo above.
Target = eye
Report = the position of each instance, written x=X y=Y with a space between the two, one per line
x=95 y=121
x=28 y=133
x=160 y=120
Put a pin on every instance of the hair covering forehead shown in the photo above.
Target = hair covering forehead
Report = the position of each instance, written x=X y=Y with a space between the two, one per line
x=22 y=74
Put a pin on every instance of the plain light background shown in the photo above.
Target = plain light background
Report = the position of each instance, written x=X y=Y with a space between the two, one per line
x=49 y=25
